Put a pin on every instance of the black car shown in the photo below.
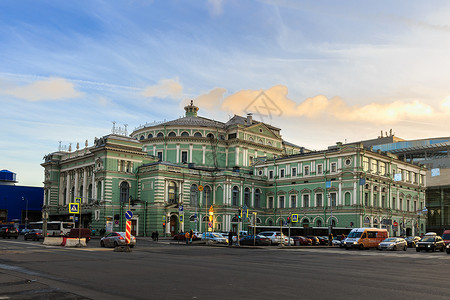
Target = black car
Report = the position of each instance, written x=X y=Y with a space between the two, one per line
x=430 y=242
x=9 y=232
x=412 y=240
x=34 y=234
x=258 y=240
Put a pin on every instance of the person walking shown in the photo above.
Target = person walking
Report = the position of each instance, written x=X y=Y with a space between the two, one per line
x=230 y=238
x=186 y=237
x=191 y=236
x=153 y=235
x=156 y=235
x=330 y=239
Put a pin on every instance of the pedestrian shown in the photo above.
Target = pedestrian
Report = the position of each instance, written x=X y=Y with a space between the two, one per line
x=230 y=238
x=330 y=239
x=343 y=237
x=186 y=237
x=153 y=235
x=191 y=236
x=156 y=235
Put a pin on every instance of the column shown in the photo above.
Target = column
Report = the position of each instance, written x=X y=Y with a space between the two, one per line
x=178 y=153
x=94 y=189
x=75 y=190
x=67 y=187
x=236 y=159
x=85 y=198
x=226 y=157
x=204 y=154
x=339 y=200
x=190 y=152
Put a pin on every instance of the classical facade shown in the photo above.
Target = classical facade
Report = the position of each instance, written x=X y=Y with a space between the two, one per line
x=177 y=172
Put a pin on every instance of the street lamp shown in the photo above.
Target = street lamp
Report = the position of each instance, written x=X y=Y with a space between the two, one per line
x=26 y=212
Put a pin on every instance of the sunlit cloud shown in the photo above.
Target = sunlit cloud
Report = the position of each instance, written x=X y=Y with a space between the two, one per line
x=215 y=7
x=42 y=90
x=211 y=100
x=165 y=88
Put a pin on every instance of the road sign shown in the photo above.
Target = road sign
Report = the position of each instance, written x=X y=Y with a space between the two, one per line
x=294 y=218
x=328 y=184
x=395 y=224
x=128 y=232
x=200 y=188
x=181 y=218
x=211 y=209
x=74 y=208
x=180 y=208
x=164 y=218
x=78 y=200
x=129 y=214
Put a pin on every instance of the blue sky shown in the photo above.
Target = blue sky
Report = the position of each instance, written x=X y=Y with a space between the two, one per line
x=336 y=70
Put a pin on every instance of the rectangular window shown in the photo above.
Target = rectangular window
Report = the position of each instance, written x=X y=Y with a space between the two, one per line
x=383 y=201
x=294 y=172
x=333 y=167
x=374 y=166
x=382 y=168
x=270 y=202
x=400 y=207
x=415 y=205
x=365 y=164
x=184 y=156
x=306 y=171
x=293 y=201
x=407 y=205
x=305 y=200
x=333 y=199
x=319 y=169
x=366 y=199
x=394 y=203
x=270 y=174
x=281 y=198
x=319 y=201
x=159 y=154
x=407 y=176
x=281 y=173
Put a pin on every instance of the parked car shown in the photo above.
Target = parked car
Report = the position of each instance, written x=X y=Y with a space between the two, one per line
x=393 y=244
x=323 y=240
x=255 y=240
x=34 y=234
x=114 y=239
x=9 y=232
x=314 y=239
x=215 y=237
x=25 y=230
x=337 y=241
x=277 y=237
x=301 y=241
x=447 y=248
x=80 y=233
x=430 y=242
x=412 y=240
x=446 y=236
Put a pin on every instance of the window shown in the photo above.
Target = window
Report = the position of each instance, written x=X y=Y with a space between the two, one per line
x=257 y=198
x=319 y=201
x=160 y=156
x=150 y=135
x=207 y=196
x=282 y=173
x=160 y=134
x=366 y=199
x=382 y=168
x=184 y=133
x=347 y=199
x=383 y=201
x=184 y=156
x=306 y=171
x=294 y=171
x=281 y=200
x=415 y=205
x=333 y=199
x=124 y=191
x=365 y=164
x=172 y=193
x=270 y=202
x=142 y=137
x=333 y=167
x=80 y=193
x=293 y=201
x=400 y=207
x=319 y=223
x=270 y=174
x=210 y=135
x=305 y=200
x=235 y=196
x=172 y=134
x=247 y=197
x=394 y=203
x=408 y=203
x=90 y=192
x=197 y=134
x=194 y=195
x=374 y=168
x=319 y=169
x=232 y=136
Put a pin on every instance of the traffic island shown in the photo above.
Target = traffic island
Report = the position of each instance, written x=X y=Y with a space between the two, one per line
x=122 y=249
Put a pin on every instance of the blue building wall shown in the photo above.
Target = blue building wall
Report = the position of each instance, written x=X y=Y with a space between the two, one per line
x=11 y=202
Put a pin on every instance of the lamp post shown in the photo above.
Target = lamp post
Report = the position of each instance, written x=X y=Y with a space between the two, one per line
x=26 y=212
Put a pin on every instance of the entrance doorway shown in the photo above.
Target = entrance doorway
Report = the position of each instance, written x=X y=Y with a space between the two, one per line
x=133 y=227
x=173 y=225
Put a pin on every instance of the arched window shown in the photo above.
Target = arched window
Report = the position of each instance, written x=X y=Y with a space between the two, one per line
x=257 y=198
x=261 y=142
x=235 y=196
x=160 y=134
x=207 y=196
x=172 y=134
x=250 y=139
x=221 y=137
x=319 y=223
x=150 y=136
x=197 y=134
x=80 y=194
x=172 y=193
x=270 y=223
x=247 y=197
x=347 y=198
x=65 y=196
x=194 y=195
x=72 y=196
x=184 y=133
x=305 y=223
x=142 y=137
x=90 y=192
x=333 y=223
x=124 y=191
x=99 y=190
x=210 y=135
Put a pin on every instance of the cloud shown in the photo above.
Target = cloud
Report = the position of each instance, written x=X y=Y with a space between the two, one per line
x=275 y=102
x=211 y=100
x=165 y=88
x=215 y=7
x=42 y=90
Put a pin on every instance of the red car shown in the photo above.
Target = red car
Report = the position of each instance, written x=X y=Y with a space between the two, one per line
x=301 y=241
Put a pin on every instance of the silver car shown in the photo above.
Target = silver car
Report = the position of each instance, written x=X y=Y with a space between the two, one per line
x=393 y=244
x=114 y=239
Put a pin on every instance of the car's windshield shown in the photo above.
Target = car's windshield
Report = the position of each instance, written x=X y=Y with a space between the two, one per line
x=428 y=239
x=390 y=240
x=355 y=234
x=446 y=236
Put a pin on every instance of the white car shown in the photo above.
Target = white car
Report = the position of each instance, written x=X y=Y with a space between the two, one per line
x=277 y=238
x=393 y=244
x=215 y=237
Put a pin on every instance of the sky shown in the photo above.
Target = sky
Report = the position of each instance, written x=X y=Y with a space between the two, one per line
x=322 y=71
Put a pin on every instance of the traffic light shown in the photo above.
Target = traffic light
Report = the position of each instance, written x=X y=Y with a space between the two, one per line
x=289 y=219
x=164 y=224
x=239 y=214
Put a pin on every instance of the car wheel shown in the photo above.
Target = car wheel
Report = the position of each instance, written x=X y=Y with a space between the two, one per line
x=33 y=239
x=16 y=237
x=395 y=248
x=131 y=246
x=115 y=244
x=433 y=249
x=361 y=246
x=405 y=248
x=417 y=250
x=346 y=248
x=102 y=244
x=448 y=251
x=442 y=249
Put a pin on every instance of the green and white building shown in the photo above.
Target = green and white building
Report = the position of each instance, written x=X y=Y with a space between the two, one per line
x=174 y=172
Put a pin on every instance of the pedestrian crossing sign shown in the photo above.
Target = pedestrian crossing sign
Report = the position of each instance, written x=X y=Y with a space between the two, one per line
x=294 y=218
x=74 y=208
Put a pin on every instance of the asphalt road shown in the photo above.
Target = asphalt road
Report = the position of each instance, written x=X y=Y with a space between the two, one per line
x=30 y=270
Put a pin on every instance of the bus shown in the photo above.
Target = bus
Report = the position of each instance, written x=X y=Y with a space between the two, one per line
x=54 y=228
